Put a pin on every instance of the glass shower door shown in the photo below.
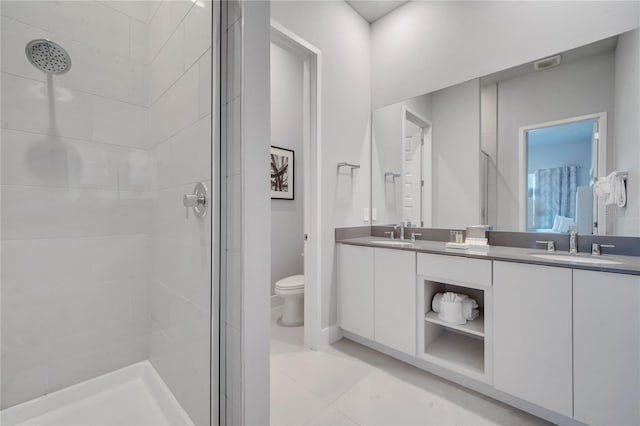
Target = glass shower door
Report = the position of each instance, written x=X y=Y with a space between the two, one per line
x=108 y=305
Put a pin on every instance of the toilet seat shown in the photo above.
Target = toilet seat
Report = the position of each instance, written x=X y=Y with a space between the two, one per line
x=291 y=289
x=292 y=284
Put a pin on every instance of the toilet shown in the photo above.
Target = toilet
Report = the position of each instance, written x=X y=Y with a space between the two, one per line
x=291 y=289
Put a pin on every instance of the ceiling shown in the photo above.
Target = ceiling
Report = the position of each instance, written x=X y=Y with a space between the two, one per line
x=372 y=10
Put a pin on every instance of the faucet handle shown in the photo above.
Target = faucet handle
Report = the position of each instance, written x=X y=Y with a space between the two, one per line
x=390 y=233
x=551 y=245
x=596 y=249
x=414 y=235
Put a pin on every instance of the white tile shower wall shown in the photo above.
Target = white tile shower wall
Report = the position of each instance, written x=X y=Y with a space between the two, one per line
x=111 y=271
x=179 y=132
x=77 y=192
x=231 y=224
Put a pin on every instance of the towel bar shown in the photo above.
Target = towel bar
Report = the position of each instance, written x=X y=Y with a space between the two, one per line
x=352 y=166
x=393 y=175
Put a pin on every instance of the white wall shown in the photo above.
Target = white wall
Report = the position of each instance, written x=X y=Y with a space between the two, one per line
x=343 y=37
x=287 y=216
x=626 y=130
x=426 y=46
x=255 y=212
x=77 y=191
x=456 y=155
x=231 y=224
x=585 y=86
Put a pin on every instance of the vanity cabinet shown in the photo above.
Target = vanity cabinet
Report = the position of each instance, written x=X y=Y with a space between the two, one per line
x=377 y=295
x=355 y=289
x=533 y=354
x=606 y=339
x=395 y=299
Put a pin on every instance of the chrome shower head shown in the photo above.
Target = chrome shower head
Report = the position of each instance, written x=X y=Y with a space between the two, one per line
x=48 y=56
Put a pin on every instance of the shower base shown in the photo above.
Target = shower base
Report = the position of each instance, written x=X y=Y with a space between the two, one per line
x=134 y=395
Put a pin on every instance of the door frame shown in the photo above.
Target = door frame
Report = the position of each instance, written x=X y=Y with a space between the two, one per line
x=599 y=168
x=312 y=184
x=426 y=155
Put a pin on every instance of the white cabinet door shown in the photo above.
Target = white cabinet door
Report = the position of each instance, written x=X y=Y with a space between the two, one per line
x=355 y=289
x=395 y=299
x=606 y=338
x=532 y=329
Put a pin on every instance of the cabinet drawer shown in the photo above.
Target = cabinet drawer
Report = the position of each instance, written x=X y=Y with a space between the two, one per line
x=455 y=269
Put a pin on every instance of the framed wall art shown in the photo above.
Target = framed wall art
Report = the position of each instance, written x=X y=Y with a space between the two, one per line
x=282 y=173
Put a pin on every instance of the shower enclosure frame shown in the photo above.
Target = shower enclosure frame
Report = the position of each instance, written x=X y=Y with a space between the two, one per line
x=61 y=64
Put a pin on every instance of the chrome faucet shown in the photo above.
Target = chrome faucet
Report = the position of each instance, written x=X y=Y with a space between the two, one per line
x=551 y=245
x=596 y=249
x=401 y=227
x=573 y=240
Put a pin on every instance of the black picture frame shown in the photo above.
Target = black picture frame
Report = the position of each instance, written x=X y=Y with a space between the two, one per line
x=282 y=166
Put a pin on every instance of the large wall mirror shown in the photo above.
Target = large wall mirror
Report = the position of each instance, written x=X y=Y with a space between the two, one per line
x=533 y=148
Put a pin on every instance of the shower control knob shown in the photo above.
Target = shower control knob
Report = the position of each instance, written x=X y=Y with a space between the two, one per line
x=192 y=200
x=198 y=201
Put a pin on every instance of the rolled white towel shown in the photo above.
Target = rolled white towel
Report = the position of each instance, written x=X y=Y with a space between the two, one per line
x=435 y=303
x=474 y=315
x=451 y=308
x=468 y=304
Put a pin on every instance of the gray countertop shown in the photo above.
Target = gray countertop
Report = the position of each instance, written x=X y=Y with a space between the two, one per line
x=629 y=264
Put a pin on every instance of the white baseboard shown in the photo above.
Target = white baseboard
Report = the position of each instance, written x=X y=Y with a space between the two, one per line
x=330 y=335
x=276 y=301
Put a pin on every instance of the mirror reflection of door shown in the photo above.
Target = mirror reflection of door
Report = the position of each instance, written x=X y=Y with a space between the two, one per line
x=561 y=161
x=416 y=170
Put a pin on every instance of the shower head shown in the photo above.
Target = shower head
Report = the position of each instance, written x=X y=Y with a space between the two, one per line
x=47 y=56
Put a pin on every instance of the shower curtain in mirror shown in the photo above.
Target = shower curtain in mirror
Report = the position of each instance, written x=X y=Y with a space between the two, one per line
x=554 y=194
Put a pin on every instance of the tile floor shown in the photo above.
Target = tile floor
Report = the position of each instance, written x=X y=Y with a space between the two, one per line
x=349 y=384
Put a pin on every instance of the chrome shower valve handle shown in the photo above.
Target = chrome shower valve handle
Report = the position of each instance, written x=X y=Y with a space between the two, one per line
x=198 y=201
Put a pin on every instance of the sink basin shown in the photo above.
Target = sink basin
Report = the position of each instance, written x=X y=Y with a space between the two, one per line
x=578 y=259
x=393 y=243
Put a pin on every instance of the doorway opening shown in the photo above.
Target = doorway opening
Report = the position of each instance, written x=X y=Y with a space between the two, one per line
x=296 y=126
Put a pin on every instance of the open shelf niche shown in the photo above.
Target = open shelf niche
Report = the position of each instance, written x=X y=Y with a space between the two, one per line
x=461 y=347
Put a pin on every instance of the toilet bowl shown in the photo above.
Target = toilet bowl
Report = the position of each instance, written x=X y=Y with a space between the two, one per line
x=291 y=289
